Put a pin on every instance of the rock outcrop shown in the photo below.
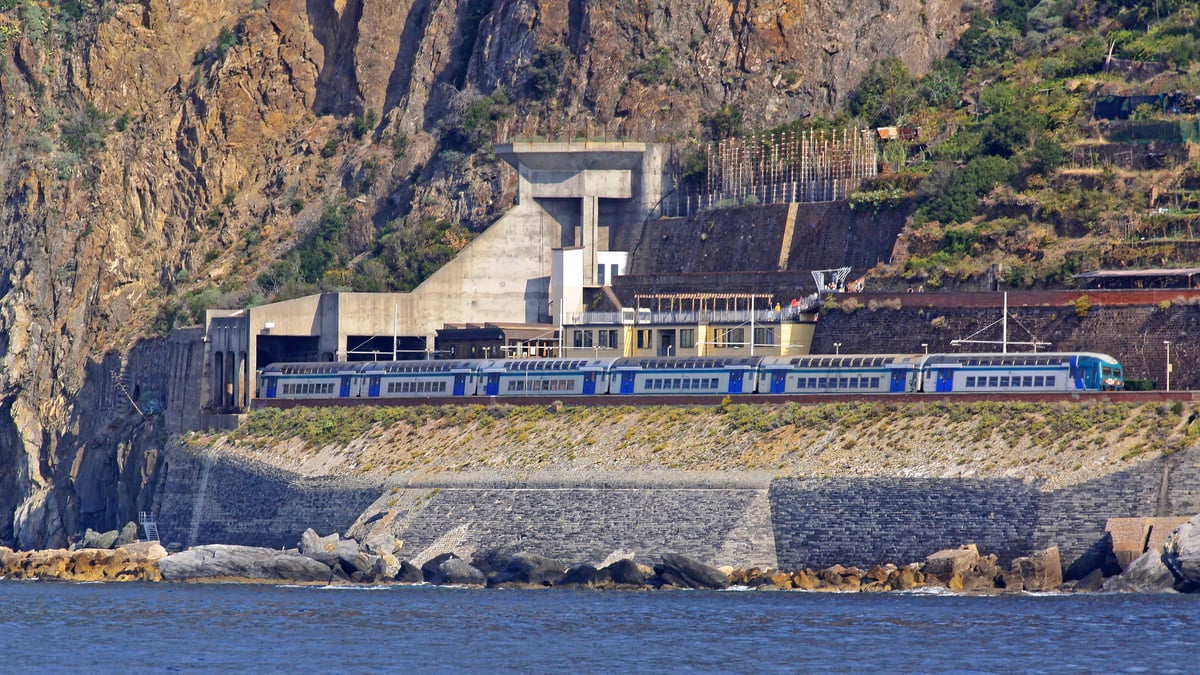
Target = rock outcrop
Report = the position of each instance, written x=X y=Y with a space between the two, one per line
x=165 y=155
x=220 y=562
x=132 y=562
x=684 y=572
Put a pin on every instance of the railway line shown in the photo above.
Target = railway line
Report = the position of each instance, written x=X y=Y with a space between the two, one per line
x=715 y=400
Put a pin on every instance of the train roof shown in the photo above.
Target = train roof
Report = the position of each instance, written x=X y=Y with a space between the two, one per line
x=310 y=367
x=537 y=365
x=694 y=362
x=842 y=361
x=1016 y=359
x=447 y=366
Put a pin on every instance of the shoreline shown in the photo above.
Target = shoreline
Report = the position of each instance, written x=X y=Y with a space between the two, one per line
x=958 y=571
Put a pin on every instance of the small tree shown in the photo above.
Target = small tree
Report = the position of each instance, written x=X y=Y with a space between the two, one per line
x=1083 y=304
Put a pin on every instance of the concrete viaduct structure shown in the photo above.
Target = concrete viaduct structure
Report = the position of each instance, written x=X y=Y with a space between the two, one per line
x=576 y=203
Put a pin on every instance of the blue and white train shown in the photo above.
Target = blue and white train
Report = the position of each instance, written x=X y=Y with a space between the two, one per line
x=674 y=376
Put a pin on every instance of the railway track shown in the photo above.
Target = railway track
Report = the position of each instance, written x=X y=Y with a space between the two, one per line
x=708 y=400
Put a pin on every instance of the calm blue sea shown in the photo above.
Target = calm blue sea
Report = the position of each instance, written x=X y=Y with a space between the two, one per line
x=61 y=627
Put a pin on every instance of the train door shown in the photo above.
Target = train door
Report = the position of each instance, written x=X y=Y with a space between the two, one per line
x=589 y=383
x=778 y=381
x=735 y=381
x=344 y=386
x=899 y=381
x=627 y=382
x=373 y=386
x=945 y=379
x=492 y=388
x=460 y=384
x=272 y=386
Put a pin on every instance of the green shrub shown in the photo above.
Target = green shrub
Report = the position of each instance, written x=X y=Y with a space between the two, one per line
x=547 y=70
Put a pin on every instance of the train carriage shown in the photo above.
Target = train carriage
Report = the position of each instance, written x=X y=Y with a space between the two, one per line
x=307 y=380
x=422 y=379
x=673 y=376
x=840 y=374
x=1023 y=372
x=543 y=377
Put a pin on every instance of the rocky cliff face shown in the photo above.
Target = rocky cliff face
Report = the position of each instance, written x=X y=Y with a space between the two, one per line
x=150 y=148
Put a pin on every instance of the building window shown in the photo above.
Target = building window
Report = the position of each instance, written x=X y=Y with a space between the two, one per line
x=600 y=275
x=730 y=337
x=578 y=338
x=607 y=338
x=764 y=336
x=645 y=339
x=687 y=338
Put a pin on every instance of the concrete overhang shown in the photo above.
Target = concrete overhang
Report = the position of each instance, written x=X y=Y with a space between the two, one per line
x=573 y=156
x=606 y=183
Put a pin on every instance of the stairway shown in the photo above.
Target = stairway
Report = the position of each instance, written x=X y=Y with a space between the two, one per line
x=149 y=527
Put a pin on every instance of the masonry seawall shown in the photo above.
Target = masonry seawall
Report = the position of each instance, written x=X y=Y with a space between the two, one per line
x=726 y=519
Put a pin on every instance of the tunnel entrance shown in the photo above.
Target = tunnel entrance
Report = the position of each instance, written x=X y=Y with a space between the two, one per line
x=289 y=349
x=379 y=348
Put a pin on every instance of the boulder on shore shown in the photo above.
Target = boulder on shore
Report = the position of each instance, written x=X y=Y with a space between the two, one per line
x=94 y=539
x=1041 y=572
x=409 y=573
x=221 y=561
x=947 y=563
x=528 y=569
x=680 y=570
x=456 y=572
x=625 y=573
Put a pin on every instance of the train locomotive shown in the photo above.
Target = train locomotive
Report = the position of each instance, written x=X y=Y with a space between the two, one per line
x=1048 y=372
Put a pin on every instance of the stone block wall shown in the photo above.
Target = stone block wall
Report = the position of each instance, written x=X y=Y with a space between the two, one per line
x=210 y=498
x=862 y=521
x=724 y=519
x=724 y=524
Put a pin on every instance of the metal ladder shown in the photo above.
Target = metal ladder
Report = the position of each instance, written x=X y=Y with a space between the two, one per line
x=148 y=526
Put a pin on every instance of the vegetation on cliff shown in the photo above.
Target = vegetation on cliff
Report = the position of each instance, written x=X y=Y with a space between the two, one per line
x=1011 y=173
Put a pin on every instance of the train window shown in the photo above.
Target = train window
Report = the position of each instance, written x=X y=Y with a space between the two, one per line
x=843 y=382
x=971 y=381
x=1004 y=381
x=854 y=383
x=874 y=382
x=1038 y=381
x=993 y=381
x=823 y=383
x=1028 y=381
x=1050 y=379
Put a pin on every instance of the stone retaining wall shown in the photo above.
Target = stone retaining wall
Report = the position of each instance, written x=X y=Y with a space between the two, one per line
x=739 y=520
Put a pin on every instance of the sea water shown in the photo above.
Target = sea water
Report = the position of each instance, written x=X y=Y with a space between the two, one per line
x=69 y=627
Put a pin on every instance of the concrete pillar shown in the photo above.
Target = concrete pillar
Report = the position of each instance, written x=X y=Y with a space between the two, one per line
x=590 y=226
x=218 y=379
x=227 y=399
x=244 y=378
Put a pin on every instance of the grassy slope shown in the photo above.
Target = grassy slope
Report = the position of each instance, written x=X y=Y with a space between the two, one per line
x=1061 y=444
